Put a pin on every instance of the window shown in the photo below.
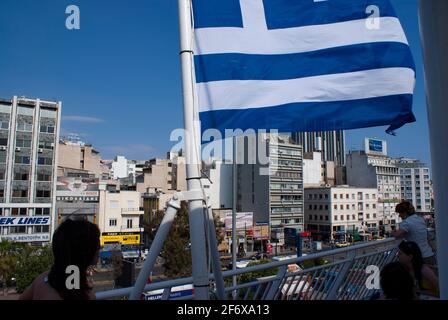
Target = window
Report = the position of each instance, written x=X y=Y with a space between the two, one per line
x=3 y=141
x=42 y=211
x=24 y=127
x=326 y=218
x=341 y=196
x=129 y=223
x=367 y=196
x=374 y=206
x=1 y=211
x=41 y=229
x=335 y=218
x=113 y=204
x=21 y=176
x=22 y=143
x=46 y=145
x=43 y=193
x=348 y=217
x=342 y=207
x=3 y=157
x=44 y=161
x=310 y=207
x=44 y=177
x=131 y=204
x=347 y=196
x=4 y=125
x=335 y=196
x=353 y=217
x=22 y=160
x=347 y=207
x=20 y=193
x=14 y=230
x=112 y=222
x=46 y=129
x=321 y=217
x=326 y=196
x=321 y=207
x=367 y=206
x=342 y=217
x=335 y=207
x=2 y=174
x=326 y=207
x=368 y=216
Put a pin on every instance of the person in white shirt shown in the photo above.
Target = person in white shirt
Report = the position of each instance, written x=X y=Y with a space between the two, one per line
x=413 y=228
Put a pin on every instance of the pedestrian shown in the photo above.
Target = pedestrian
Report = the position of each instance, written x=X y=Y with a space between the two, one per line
x=75 y=244
x=413 y=228
x=424 y=277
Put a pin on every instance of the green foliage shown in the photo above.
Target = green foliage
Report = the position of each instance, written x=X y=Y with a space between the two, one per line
x=23 y=262
x=313 y=263
x=247 y=277
x=32 y=263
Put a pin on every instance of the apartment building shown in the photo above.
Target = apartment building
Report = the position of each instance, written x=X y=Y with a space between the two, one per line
x=29 y=134
x=415 y=183
x=76 y=155
x=119 y=216
x=372 y=168
x=338 y=212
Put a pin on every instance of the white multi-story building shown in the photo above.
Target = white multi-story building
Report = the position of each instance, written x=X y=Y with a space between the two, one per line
x=29 y=135
x=122 y=168
x=372 y=168
x=335 y=212
x=415 y=183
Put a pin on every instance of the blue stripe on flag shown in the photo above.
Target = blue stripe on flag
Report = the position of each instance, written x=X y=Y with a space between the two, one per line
x=217 y=13
x=297 y=13
x=321 y=116
x=216 y=67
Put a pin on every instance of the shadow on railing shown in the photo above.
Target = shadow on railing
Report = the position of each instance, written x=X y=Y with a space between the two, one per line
x=340 y=274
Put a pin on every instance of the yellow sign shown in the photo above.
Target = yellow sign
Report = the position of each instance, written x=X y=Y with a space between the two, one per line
x=122 y=239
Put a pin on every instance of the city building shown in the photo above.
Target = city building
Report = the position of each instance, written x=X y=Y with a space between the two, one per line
x=415 y=183
x=272 y=190
x=119 y=217
x=77 y=155
x=29 y=135
x=372 y=168
x=317 y=172
x=167 y=175
x=342 y=212
x=330 y=143
x=122 y=168
x=77 y=198
x=218 y=184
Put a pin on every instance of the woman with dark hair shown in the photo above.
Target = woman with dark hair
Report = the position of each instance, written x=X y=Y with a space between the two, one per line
x=75 y=243
x=413 y=228
x=397 y=283
x=425 y=279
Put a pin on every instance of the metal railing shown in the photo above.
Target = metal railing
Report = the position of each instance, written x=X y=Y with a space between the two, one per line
x=339 y=274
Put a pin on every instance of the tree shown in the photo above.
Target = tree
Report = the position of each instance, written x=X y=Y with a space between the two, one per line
x=9 y=257
x=32 y=262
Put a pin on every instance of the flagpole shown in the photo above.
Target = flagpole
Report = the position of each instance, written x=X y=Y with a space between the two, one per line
x=433 y=26
x=192 y=155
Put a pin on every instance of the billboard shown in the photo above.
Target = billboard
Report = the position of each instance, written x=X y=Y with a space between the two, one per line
x=120 y=237
x=244 y=220
x=375 y=146
x=262 y=232
x=26 y=237
x=75 y=189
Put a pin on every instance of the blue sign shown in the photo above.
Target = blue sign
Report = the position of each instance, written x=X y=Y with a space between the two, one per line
x=23 y=221
x=376 y=145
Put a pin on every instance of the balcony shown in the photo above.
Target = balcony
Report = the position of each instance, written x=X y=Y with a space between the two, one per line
x=131 y=211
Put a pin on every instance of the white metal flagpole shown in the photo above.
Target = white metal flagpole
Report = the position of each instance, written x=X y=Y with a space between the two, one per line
x=192 y=155
x=433 y=26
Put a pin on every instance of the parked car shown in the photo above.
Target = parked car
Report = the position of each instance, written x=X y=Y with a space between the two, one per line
x=342 y=244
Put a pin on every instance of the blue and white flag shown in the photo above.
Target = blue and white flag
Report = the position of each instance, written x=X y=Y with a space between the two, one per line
x=301 y=65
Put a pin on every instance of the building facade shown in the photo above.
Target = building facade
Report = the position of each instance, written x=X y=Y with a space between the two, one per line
x=372 y=168
x=79 y=156
x=330 y=143
x=336 y=213
x=273 y=191
x=415 y=183
x=29 y=134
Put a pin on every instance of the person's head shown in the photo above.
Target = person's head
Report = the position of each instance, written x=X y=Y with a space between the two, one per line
x=410 y=254
x=396 y=282
x=405 y=209
x=75 y=243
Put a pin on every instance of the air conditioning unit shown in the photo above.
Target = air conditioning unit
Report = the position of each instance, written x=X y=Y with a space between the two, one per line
x=3 y=148
x=17 y=148
x=40 y=150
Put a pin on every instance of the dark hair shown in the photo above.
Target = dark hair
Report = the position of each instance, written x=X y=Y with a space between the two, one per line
x=396 y=282
x=412 y=248
x=74 y=243
x=405 y=207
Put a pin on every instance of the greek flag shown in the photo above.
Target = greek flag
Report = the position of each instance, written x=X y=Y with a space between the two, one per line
x=301 y=65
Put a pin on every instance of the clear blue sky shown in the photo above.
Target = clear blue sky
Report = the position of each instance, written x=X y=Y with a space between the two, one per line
x=119 y=76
